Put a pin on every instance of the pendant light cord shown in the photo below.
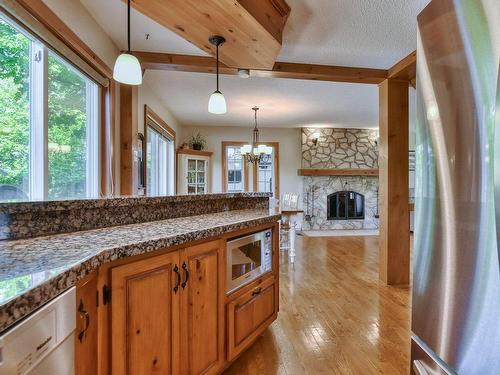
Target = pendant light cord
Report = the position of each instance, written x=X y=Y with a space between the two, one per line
x=217 y=53
x=128 y=25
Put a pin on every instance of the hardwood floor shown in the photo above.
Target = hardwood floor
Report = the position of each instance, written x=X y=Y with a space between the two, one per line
x=335 y=317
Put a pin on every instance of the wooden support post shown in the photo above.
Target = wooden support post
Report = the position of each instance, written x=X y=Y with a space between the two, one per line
x=128 y=139
x=394 y=253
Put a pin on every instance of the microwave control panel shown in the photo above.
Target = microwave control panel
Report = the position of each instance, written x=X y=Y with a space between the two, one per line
x=268 y=251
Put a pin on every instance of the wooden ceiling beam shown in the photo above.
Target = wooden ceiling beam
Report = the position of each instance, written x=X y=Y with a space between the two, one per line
x=253 y=29
x=406 y=69
x=204 y=64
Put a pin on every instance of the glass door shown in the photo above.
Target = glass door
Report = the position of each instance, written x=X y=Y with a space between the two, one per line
x=197 y=176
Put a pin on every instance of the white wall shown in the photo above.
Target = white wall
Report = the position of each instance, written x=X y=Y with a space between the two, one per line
x=78 y=19
x=289 y=151
x=147 y=96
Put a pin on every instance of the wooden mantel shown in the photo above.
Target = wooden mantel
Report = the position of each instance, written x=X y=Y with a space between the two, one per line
x=337 y=172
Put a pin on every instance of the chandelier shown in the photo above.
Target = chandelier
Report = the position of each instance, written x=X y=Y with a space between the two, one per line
x=255 y=152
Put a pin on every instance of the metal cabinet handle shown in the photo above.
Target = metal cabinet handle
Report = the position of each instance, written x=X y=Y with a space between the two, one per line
x=185 y=268
x=257 y=291
x=176 y=270
x=85 y=315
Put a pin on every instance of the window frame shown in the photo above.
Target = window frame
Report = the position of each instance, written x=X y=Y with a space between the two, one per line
x=38 y=169
x=224 y=146
x=161 y=127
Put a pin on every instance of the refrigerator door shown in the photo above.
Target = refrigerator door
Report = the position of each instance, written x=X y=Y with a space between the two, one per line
x=456 y=281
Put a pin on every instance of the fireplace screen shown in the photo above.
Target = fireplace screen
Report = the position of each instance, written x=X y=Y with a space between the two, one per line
x=346 y=205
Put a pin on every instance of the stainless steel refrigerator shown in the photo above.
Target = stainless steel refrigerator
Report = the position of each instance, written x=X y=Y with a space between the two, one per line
x=456 y=272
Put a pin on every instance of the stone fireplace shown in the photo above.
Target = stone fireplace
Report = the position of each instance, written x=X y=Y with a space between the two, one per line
x=340 y=201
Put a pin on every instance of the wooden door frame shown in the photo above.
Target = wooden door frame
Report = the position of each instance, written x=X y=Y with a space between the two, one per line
x=162 y=128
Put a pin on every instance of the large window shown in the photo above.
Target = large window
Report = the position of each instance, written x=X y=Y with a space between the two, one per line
x=49 y=122
x=160 y=155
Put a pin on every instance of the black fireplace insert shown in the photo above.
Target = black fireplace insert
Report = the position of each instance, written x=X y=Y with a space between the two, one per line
x=346 y=205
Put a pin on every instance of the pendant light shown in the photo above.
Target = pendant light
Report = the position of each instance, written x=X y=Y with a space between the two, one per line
x=255 y=152
x=127 y=68
x=217 y=102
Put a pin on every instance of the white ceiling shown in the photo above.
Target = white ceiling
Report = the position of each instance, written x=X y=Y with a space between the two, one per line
x=283 y=103
x=364 y=33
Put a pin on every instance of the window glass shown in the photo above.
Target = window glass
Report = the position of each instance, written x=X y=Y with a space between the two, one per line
x=67 y=130
x=265 y=174
x=160 y=169
x=14 y=113
x=234 y=171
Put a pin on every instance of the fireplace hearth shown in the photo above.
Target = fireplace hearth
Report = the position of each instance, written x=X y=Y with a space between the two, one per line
x=346 y=205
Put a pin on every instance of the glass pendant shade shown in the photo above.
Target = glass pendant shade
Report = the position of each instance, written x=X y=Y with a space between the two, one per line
x=246 y=149
x=127 y=70
x=217 y=103
x=262 y=149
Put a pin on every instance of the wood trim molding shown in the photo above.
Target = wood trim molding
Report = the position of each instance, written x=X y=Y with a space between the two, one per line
x=203 y=64
x=337 y=172
x=224 y=146
x=188 y=151
x=128 y=139
x=276 y=151
x=163 y=128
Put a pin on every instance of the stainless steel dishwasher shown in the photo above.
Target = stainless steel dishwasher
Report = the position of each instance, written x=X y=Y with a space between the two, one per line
x=43 y=343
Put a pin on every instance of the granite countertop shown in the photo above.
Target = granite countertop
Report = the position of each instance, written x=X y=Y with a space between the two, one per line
x=33 y=271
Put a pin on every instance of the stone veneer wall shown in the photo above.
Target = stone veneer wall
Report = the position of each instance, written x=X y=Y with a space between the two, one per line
x=341 y=149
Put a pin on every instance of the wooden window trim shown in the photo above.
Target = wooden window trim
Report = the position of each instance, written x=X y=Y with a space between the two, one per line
x=276 y=152
x=163 y=128
x=225 y=145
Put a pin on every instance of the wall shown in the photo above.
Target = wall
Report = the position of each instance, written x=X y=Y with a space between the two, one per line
x=147 y=96
x=339 y=149
x=289 y=149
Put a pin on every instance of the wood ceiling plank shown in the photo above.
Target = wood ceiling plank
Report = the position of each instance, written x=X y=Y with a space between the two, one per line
x=203 y=64
x=248 y=43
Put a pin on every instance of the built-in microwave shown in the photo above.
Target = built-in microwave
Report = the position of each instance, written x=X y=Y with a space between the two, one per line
x=248 y=258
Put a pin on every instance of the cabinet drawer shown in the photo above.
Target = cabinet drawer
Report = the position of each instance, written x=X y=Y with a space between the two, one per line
x=249 y=315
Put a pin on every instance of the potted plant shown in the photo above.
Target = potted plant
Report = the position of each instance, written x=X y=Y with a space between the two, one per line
x=197 y=142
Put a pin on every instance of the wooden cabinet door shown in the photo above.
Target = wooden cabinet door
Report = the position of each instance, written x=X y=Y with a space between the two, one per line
x=250 y=314
x=202 y=308
x=86 y=326
x=145 y=316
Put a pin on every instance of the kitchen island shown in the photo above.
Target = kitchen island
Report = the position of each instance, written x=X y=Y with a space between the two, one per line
x=150 y=295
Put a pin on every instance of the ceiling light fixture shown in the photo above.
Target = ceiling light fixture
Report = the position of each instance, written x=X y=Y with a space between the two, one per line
x=255 y=152
x=244 y=73
x=217 y=102
x=127 y=68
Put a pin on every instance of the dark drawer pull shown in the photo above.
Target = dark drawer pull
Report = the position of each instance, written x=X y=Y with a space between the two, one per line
x=176 y=270
x=185 y=268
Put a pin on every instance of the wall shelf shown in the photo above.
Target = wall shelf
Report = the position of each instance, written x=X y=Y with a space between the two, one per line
x=337 y=172
x=188 y=151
